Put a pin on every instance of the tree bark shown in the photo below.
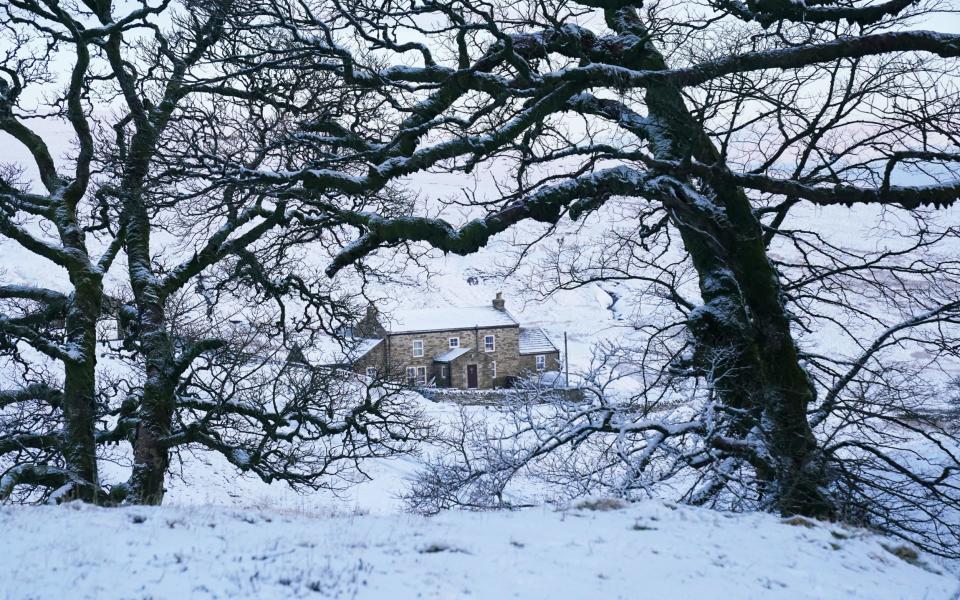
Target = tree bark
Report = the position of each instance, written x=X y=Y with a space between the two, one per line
x=151 y=454
x=79 y=403
x=742 y=331
x=158 y=403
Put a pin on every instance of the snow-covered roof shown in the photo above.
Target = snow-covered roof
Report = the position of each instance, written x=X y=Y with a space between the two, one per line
x=451 y=355
x=534 y=340
x=330 y=351
x=445 y=319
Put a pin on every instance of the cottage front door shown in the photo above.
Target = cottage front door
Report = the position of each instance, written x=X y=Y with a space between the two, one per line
x=472 y=376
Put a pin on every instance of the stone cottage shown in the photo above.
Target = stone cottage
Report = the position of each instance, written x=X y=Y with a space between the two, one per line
x=480 y=347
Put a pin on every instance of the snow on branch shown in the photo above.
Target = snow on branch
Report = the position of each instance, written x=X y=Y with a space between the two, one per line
x=770 y=11
x=52 y=252
x=20 y=328
x=37 y=391
x=37 y=294
x=600 y=74
x=38 y=149
x=33 y=475
x=546 y=205
x=908 y=196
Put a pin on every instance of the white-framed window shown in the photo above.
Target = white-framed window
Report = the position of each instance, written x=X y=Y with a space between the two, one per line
x=489 y=343
x=411 y=375
x=443 y=372
x=418 y=347
x=541 y=362
x=372 y=372
x=493 y=369
x=454 y=342
x=422 y=375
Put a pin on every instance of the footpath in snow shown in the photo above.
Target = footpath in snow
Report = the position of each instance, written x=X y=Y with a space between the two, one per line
x=594 y=550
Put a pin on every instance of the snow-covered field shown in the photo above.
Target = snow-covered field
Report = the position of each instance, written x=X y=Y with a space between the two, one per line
x=648 y=550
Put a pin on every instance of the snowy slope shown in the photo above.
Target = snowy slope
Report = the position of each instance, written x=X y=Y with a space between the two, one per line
x=206 y=478
x=649 y=550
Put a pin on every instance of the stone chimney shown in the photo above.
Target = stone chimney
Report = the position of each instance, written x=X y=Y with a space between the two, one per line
x=499 y=303
x=369 y=326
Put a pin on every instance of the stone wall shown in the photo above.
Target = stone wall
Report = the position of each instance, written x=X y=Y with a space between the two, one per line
x=395 y=354
x=506 y=353
x=528 y=362
x=376 y=358
x=500 y=396
x=484 y=362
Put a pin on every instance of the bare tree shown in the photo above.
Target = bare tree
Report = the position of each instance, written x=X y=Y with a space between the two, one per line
x=50 y=438
x=715 y=125
x=709 y=128
x=179 y=101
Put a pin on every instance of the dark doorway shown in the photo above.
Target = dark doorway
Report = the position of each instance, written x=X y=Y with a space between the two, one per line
x=471 y=376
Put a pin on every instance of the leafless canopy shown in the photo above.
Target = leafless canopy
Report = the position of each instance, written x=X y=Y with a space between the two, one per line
x=169 y=105
x=700 y=139
x=703 y=137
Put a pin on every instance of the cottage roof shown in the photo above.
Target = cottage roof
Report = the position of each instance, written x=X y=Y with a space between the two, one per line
x=534 y=340
x=451 y=355
x=331 y=351
x=447 y=319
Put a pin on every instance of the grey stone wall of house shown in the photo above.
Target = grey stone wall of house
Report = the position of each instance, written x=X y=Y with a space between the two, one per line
x=376 y=358
x=528 y=362
x=496 y=368
x=505 y=353
x=395 y=354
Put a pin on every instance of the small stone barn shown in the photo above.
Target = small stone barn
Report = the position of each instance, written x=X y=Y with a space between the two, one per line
x=481 y=347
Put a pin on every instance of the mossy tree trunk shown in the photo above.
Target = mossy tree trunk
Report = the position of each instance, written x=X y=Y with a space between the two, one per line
x=742 y=330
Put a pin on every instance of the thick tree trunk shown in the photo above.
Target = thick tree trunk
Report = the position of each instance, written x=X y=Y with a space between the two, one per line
x=150 y=453
x=79 y=387
x=742 y=331
x=151 y=456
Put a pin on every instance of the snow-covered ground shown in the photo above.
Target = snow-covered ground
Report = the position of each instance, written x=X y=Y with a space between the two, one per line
x=207 y=479
x=647 y=550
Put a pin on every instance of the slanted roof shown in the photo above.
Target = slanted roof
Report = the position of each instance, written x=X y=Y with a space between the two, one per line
x=363 y=347
x=451 y=355
x=534 y=340
x=328 y=351
x=448 y=319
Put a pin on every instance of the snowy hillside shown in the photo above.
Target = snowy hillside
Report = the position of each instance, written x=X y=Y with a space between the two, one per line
x=592 y=550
